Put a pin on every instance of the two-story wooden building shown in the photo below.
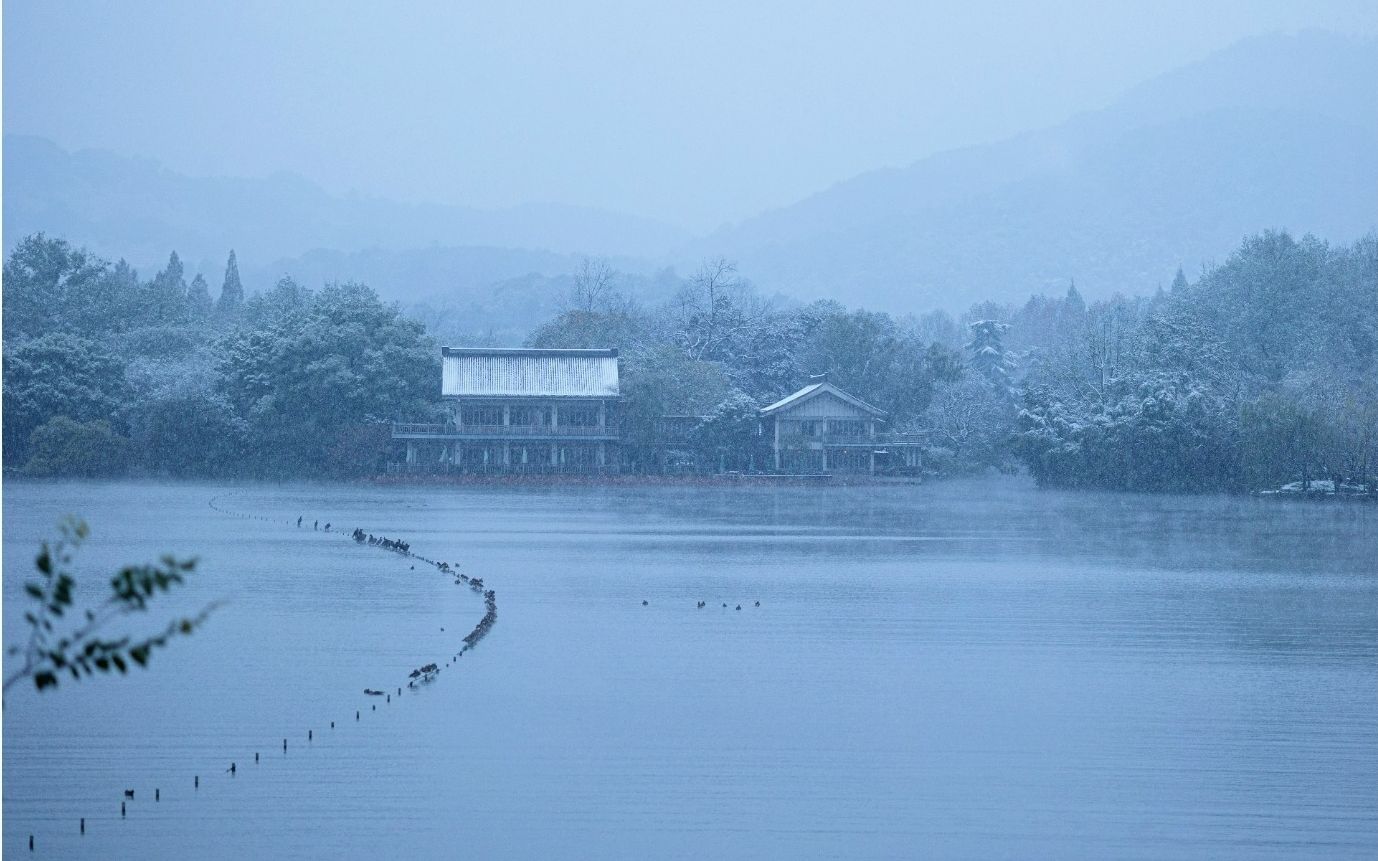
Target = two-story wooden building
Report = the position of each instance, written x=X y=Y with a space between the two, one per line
x=519 y=410
x=822 y=429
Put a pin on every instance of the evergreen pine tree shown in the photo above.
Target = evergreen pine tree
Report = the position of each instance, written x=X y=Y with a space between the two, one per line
x=232 y=292
x=199 y=298
x=168 y=299
x=986 y=353
x=1179 y=281
x=1074 y=304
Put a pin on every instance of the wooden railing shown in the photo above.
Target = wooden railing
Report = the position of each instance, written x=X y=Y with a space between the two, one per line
x=413 y=429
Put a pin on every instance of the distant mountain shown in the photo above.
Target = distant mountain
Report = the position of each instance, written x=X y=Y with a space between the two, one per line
x=1278 y=131
x=134 y=208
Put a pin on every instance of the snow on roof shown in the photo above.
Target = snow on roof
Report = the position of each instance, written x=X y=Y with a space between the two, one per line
x=484 y=372
x=813 y=390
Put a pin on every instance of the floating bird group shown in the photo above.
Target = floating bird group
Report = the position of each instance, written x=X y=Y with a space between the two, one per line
x=701 y=604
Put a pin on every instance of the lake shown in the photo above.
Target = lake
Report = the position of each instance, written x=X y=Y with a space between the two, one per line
x=970 y=669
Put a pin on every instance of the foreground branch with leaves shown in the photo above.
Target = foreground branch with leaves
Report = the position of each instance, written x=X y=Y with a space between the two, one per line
x=80 y=651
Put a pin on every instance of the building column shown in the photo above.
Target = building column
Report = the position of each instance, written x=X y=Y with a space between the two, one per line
x=411 y=451
x=602 y=451
x=777 y=444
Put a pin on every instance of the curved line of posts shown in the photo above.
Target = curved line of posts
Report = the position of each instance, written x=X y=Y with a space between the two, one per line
x=418 y=677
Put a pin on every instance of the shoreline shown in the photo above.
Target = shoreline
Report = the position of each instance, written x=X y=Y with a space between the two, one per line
x=624 y=480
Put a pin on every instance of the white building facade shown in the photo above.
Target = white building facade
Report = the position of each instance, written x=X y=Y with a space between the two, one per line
x=521 y=411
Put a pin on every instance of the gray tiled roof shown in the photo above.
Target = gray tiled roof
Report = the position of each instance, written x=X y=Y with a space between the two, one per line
x=471 y=372
x=817 y=389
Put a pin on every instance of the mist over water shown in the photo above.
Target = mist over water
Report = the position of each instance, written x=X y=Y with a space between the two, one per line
x=968 y=669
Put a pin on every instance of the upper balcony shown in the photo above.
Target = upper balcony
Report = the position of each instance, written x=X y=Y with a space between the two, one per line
x=405 y=430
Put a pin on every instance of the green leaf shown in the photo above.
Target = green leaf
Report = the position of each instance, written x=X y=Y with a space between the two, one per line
x=34 y=589
x=45 y=679
x=45 y=561
x=119 y=664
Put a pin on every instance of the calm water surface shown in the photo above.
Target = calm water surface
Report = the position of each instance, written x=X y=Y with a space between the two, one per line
x=965 y=670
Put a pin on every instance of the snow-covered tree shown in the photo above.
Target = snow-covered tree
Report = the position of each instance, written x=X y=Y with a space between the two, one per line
x=167 y=301
x=231 y=291
x=199 y=298
x=987 y=356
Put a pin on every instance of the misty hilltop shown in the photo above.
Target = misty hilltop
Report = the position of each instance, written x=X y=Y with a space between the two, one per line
x=118 y=205
x=1274 y=132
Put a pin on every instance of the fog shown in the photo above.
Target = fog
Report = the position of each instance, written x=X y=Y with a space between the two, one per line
x=693 y=114
x=734 y=430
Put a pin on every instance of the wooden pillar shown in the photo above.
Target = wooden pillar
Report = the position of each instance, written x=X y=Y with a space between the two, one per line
x=777 y=443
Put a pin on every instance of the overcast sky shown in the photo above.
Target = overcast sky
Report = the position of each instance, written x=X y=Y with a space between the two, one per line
x=694 y=113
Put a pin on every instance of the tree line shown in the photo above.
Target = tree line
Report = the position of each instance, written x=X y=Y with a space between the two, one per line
x=108 y=374
x=1262 y=370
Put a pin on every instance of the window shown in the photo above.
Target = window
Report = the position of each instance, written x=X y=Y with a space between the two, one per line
x=847 y=427
x=528 y=416
x=474 y=415
x=579 y=416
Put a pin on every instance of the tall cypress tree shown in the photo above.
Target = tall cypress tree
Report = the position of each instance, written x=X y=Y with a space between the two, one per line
x=231 y=292
x=168 y=299
x=199 y=298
